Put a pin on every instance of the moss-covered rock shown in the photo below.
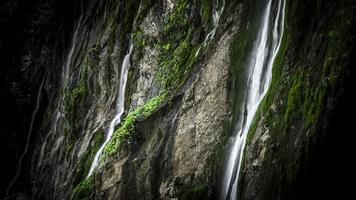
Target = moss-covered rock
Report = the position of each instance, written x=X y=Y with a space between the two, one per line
x=195 y=193
x=183 y=98
x=84 y=190
x=295 y=114
x=127 y=127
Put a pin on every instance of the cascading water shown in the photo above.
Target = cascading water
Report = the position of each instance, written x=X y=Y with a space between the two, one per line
x=120 y=108
x=259 y=63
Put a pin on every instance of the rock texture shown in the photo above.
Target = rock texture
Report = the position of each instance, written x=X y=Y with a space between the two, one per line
x=284 y=157
x=186 y=80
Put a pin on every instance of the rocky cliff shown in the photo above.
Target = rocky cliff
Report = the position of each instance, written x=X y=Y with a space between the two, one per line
x=183 y=94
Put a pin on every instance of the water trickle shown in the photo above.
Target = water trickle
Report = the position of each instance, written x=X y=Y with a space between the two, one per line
x=216 y=19
x=58 y=115
x=65 y=72
x=259 y=64
x=120 y=108
x=33 y=117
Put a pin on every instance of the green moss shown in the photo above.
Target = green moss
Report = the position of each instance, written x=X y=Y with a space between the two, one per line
x=199 y=192
x=89 y=157
x=144 y=8
x=75 y=96
x=308 y=85
x=177 y=20
x=139 y=38
x=127 y=127
x=305 y=98
x=176 y=46
x=206 y=11
x=294 y=96
x=177 y=50
x=176 y=63
x=308 y=68
x=74 y=99
x=276 y=83
x=256 y=120
x=313 y=84
x=84 y=190
x=239 y=52
x=83 y=165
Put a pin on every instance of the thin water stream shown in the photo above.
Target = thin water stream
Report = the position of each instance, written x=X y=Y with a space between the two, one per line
x=259 y=77
x=120 y=108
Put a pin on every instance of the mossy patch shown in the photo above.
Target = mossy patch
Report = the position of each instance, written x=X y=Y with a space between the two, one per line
x=199 y=192
x=176 y=63
x=178 y=51
x=84 y=190
x=85 y=162
x=308 y=73
x=206 y=11
x=75 y=96
x=127 y=126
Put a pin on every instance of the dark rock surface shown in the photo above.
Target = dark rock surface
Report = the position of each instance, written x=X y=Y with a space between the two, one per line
x=182 y=97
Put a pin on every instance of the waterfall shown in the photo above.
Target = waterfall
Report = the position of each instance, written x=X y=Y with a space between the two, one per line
x=120 y=108
x=259 y=65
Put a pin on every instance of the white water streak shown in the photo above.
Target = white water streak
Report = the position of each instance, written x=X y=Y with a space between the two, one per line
x=216 y=19
x=59 y=106
x=120 y=108
x=65 y=73
x=33 y=117
x=258 y=84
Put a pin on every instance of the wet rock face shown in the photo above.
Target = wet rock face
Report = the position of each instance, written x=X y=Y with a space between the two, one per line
x=82 y=101
x=181 y=99
x=34 y=37
x=286 y=157
x=201 y=118
x=172 y=151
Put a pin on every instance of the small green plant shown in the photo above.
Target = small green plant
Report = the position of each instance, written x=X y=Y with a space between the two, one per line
x=128 y=124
